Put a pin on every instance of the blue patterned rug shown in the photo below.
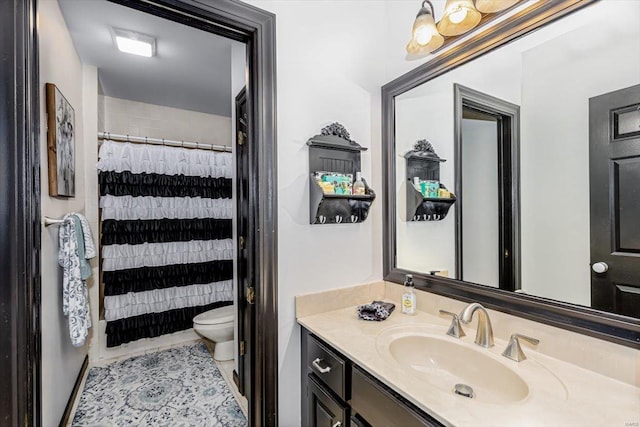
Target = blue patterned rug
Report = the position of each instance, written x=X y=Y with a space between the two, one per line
x=176 y=387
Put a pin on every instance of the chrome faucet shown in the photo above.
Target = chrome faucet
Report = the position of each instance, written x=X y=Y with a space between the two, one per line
x=484 y=334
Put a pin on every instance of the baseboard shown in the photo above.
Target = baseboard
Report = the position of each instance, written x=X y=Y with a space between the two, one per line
x=74 y=394
x=236 y=379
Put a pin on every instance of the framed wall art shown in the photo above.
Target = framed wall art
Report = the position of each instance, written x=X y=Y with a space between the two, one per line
x=60 y=143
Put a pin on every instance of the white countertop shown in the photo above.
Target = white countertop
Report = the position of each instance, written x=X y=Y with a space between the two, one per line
x=560 y=394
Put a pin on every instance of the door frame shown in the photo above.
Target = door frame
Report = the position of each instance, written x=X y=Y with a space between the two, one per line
x=508 y=115
x=19 y=215
x=20 y=219
x=244 y=309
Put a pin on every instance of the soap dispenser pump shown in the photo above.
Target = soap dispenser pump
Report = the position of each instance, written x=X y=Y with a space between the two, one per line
x=409 y=296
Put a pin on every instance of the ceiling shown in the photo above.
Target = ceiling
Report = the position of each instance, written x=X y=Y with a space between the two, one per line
x=191 y=69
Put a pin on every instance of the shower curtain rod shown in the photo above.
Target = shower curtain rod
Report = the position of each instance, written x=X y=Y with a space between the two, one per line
x=161 y=141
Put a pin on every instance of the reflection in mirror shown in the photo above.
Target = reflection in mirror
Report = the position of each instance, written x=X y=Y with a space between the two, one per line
x=579 y=96
x=480 y=237
x=487 y=151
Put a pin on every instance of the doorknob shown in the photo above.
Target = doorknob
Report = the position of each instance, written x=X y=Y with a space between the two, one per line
x=600 y=267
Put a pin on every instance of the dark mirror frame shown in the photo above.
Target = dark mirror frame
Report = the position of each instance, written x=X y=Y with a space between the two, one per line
x=602 y=325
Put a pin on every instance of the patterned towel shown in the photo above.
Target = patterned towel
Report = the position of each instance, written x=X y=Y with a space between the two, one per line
x=75 y=297
x=377 y=310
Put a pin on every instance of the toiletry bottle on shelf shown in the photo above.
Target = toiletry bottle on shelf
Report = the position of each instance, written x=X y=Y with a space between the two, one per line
x=409 y=296
x=358 y=185
x=416 y=183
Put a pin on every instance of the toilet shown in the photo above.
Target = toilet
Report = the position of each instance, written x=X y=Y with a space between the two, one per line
x=217 y=325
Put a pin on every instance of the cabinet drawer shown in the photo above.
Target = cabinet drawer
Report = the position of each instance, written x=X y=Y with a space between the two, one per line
x=328 y=367
x=324 y=410
x=380 y=406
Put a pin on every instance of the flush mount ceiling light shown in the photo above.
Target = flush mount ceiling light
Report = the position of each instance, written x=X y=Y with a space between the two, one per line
x=134 y=43
x=424 y=35
x=493 y=6
x=459 y=17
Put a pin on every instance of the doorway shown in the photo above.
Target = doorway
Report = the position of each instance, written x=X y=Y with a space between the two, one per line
x=487 y=187
x=20 y=297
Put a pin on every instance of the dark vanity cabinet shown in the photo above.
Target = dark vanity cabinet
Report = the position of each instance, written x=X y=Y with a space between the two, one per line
x=338 y=393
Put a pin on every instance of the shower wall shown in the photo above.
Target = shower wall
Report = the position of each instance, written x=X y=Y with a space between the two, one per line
x=124 y=116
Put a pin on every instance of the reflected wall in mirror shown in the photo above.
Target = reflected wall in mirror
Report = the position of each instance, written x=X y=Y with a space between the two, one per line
x=573 y=80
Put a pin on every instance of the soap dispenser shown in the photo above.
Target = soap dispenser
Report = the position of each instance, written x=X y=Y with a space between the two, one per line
x=409 y=296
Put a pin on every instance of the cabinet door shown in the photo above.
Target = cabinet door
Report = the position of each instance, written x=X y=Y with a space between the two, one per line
x=324 y=410
x=381 y=407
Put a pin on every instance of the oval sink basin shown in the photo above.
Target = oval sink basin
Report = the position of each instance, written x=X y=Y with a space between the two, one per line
x=445 y=363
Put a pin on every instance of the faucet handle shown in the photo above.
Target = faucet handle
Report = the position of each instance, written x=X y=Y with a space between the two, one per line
x=455 y=329
x=514 y=351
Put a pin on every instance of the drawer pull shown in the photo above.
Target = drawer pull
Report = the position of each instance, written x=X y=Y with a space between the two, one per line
x=326 y=370
x=338 y=424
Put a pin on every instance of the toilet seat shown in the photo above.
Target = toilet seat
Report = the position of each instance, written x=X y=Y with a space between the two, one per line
x=216 y=316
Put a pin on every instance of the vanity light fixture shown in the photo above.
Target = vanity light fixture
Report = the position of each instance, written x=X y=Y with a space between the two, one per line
x=134 y=43
x=459 y=17
x=493 y=6
x=424 y=35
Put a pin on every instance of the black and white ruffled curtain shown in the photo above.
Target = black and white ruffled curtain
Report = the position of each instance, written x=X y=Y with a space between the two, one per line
x=167 y=252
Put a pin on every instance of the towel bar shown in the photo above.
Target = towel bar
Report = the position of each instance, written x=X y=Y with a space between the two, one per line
x=51 y=221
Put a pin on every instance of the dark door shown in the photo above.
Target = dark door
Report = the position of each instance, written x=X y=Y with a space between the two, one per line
x=614 y=168
x=244 y=246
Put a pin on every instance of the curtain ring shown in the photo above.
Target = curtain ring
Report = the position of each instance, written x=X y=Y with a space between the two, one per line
x=182 y=144
x=128 y=138
x=146 y=141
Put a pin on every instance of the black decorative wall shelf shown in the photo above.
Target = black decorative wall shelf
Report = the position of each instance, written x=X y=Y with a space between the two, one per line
x=334 y=151
x=424 y=163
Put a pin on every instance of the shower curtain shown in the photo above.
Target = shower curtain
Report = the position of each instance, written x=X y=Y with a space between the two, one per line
x=166 y=235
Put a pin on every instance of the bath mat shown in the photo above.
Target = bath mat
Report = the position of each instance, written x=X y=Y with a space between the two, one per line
x=181 y=386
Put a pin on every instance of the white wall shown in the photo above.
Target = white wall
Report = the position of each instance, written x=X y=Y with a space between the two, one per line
x=59 y=64
x=329 y=69
x=480 y=210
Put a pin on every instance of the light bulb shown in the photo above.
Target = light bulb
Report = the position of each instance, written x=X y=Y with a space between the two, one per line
x=458 y=16
x=423 y=34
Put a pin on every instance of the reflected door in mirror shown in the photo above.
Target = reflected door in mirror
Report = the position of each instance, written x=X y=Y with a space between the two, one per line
x=614 y=139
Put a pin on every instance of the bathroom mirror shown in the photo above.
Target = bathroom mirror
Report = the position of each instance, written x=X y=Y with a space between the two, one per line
x=517 y=114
